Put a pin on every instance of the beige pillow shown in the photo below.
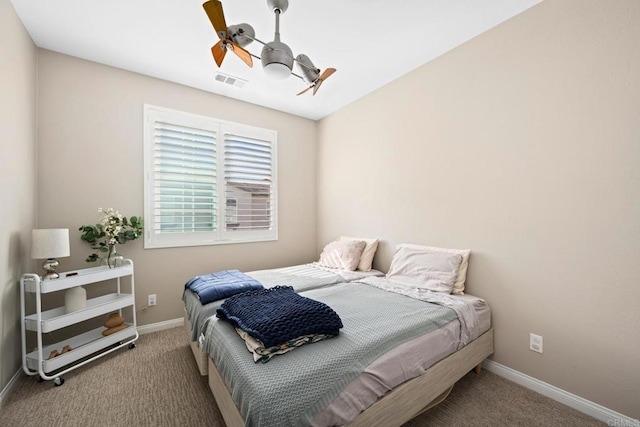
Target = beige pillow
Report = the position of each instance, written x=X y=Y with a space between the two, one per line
x=458 y=285
x=424 y=268
x=369 y=251
x=344 y=255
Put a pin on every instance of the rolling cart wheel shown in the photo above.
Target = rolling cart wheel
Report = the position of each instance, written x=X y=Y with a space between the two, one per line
x=132 y=346
x=58 y=381
x=40 y=379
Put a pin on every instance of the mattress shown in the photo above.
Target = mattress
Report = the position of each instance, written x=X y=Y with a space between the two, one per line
x=398 y=346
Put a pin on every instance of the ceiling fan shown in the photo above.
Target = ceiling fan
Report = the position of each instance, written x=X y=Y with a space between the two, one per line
x=276 y=57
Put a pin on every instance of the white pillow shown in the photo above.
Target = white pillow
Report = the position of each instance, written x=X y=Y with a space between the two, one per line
x=344 y=255
x=424 y=268
x=458 y=285
x=369 y=251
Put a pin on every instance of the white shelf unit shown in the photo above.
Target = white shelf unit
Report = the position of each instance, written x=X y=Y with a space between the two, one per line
x=87 y=346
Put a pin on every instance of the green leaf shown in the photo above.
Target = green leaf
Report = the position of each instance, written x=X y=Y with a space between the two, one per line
x=92 y=258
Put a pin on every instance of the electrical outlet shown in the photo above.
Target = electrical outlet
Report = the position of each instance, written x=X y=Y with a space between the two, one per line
x=151 y=300
x=535 y=343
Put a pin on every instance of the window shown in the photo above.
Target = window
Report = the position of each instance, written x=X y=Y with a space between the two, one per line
x=207 y=181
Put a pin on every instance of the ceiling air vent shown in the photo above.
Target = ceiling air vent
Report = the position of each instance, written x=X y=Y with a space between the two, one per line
x=230 y=80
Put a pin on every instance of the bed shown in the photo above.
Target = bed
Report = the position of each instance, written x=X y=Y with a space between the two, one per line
x=302 y=278
x=402 y=353
x=402 y=348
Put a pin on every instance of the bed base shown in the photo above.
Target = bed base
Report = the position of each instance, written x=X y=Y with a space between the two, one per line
x=399 y=405
x=198 y=353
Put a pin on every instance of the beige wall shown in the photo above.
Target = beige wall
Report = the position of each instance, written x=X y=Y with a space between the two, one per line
x=18 y=60
x=91 y=155
x=523 y=145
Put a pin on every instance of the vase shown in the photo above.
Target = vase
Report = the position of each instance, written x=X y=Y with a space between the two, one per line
x=113 y=259
x=75 y=299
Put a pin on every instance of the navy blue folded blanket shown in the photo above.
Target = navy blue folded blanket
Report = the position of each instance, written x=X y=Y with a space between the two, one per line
x=278 y=314
x=220 y=285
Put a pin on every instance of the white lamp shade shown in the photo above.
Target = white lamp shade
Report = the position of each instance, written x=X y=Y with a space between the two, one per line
x=50 y=243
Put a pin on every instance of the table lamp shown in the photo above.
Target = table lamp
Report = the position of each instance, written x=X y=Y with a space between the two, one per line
x=48 y=244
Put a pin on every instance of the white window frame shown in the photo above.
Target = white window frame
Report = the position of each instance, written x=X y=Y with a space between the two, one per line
x=221 y=235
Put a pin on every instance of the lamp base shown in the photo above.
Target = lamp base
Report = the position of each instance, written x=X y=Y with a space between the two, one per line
x=49 y=267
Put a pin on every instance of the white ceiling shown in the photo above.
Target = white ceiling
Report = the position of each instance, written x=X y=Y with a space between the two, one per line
x=369 y=42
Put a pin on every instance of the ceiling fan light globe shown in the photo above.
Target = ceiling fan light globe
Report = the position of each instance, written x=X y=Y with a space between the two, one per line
x=277 y=60
x=277 y=71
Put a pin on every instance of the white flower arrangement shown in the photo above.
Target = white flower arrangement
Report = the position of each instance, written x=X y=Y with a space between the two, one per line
x=112 y=229
x=111 y=224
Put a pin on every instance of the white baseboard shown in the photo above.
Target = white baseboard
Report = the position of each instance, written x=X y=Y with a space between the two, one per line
x=8 y=389
x=167 y=324
x=585 y=406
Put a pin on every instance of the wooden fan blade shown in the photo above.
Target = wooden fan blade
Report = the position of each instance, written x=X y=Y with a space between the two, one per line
x=326 y=73
x=218 y=53
x=304 y=90
x=317 y=86
x=242 y=54
x=213 y=8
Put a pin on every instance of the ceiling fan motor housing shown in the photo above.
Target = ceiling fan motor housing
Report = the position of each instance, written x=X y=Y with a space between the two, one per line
x=309 y=71
x=241 y=34
x=277 y=60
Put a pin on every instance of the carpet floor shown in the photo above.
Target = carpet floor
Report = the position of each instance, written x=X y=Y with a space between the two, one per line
x=158 y=384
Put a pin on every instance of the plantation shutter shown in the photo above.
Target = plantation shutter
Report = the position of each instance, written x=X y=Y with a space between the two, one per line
x=249 y=181
x=185 y=179
x=207 y=181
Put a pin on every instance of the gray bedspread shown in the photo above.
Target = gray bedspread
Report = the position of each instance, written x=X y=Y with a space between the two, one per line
x=300 y=277
x=291 y=389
